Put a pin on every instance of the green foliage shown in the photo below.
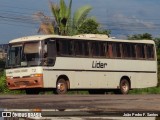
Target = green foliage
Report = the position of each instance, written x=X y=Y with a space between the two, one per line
x=146 y=36
x=65 y=25
x=154 y=90
x=2 y=64
x=3 y=86
x=61 y=14
x=157 y=41
x=2 y=83
x=80 y=16
x=91 y=26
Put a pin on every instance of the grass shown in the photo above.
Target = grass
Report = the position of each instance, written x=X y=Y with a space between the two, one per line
x=153 y=90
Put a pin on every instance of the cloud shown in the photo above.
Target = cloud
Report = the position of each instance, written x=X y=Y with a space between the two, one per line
x=131 y=22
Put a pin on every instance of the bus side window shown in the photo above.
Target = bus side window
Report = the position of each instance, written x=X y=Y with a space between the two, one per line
x=128 y=50
x=102 y=49
x=116 y=48
x=81 y=48
x=133 y=50
x=98 y=49
x=51 y=52
x=95 y=49
x=78 y=48
x=150 y=51
x=140 y=51
x=109 y=49
x=66 y=47
x=86 y=48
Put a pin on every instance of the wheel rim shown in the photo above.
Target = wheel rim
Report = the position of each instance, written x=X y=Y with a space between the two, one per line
x=61 y=87
x=125 y=86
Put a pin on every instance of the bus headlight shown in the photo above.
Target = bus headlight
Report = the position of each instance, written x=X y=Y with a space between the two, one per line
x=9 y=77
x=37 y=75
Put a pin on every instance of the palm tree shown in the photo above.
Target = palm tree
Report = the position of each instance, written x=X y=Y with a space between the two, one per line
x=63 y=23
x=62 y=15
x=80 y=16
x=46 y=24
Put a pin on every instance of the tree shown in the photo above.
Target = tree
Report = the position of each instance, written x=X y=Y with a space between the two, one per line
x=91 y=26
x=2 y=64
x=62 y=14
x=65 y=24
x=146 y=36
x=46 y=24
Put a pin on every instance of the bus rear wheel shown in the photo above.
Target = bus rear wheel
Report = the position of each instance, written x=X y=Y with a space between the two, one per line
x=124 y=86
x=61 y=87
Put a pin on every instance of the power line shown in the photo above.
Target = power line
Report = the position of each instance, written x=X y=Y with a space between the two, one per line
x=14 y=24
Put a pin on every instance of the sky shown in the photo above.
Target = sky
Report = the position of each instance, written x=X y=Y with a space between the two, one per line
x=122 y=17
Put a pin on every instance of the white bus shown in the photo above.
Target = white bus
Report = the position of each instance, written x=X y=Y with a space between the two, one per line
x=83 y=62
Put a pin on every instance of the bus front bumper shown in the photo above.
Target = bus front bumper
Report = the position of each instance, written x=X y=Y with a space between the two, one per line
x=23 y=83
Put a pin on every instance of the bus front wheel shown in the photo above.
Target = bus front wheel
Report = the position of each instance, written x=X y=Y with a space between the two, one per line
x=124 y=86
x=61 y=87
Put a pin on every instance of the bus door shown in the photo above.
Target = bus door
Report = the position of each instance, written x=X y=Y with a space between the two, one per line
x=49 y=59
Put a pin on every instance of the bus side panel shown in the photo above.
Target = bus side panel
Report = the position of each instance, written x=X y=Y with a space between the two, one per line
x=83 y=74
x=143 y=80
x=91 y=80
x=138 y=80
x=51 y=76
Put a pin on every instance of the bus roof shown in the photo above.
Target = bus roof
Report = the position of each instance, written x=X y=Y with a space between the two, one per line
x=98 y=37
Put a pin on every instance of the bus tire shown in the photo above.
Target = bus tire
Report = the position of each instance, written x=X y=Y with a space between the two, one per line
x=124 y=86
x=61 y=86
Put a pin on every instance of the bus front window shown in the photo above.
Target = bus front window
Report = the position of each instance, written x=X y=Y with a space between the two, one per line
x=31 y=53
x=14 y=56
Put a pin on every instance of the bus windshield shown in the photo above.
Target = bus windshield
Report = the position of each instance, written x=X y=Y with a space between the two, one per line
x=31 y=54
x=14 y=55
x=27 y=54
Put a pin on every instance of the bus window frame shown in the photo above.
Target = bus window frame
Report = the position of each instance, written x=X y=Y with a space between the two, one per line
x=140 y=58
x=153 y=50
x=105 y=49
x=120 y=46
x=83 y=48
x=60 y=54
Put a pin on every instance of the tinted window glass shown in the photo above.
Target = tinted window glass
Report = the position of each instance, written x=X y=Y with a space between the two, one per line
x=86 y=48
x=81 y=48
x=95 y=49
x=102 y=49
x=78 y=48
x=133 y=51
x=140 y=51
x=128 y=50
x=98 y=49
x=65 y=47
x=150 y=51
x=116 y=49
x=109 y=50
